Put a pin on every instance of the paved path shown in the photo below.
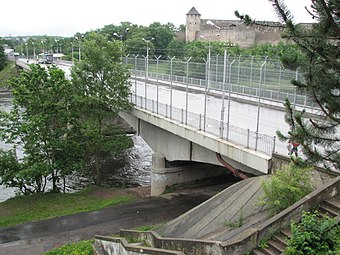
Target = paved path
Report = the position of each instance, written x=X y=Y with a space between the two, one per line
x=38 y=237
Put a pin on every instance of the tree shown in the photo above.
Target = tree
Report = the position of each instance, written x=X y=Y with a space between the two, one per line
x=44 y=124
x=103 y=90
x=3 y=59
x=320 y=67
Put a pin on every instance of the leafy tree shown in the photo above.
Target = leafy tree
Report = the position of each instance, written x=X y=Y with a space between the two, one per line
x=314 y=235
x=286 y=186
x=176 y=48
x=103 y=90
x=320 y=66
x=43 y=123
x=3 y=58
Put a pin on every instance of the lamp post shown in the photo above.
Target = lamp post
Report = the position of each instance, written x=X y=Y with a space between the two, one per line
x=121 y=37
x=146 y=66
x=33 y=50
x=207 y=86
x=57 y=41
x=72 y=53
x=26 y=51
x=79 y=44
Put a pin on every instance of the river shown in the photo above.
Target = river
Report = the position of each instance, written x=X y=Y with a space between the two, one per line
x=129 y=169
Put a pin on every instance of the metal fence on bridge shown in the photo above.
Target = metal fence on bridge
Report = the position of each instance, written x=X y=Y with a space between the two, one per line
x=244 y=137
x=254 y=77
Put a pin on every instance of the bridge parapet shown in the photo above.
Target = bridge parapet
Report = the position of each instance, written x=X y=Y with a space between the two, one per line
x=177 y=141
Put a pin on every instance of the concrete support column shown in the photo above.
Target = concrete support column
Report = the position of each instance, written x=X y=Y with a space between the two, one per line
x=163 y=176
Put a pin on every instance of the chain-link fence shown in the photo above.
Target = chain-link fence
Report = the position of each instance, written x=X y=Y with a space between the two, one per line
x=241 y=75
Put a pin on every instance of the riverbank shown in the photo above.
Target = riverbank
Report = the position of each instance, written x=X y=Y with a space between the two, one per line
x=35 y=207
x=41 y=236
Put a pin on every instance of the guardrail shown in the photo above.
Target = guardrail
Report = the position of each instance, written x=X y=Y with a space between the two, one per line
x=244 y=137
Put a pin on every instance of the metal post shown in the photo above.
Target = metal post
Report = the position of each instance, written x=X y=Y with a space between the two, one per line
x=34 y=51
x=187 y=92
x=136 y=56
x=171 y=60
x=238 y=71
x=274 y=144
x=251 y=70
x=157 y=96
x=72 y=53
x=216 y=67
x=223 y=92
x=26 y=52
x=259 y=104
x=229 y=92
x=207 y=86
x=248 y=136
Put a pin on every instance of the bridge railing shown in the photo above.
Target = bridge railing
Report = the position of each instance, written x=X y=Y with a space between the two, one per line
x=244 y=137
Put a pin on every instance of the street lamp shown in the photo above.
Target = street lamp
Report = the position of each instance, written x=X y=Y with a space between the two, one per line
x=72 y=53
x=26 y=51
x=121 y=39
x=79 y=44
x=207 y=85
x=33 y=50
x=56 y=40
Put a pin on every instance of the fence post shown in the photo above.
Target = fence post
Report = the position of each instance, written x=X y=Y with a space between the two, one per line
x=171 y=60
x=200 y=121
x=248 y=137
x=153 y=105
x=166 y=110
x=187 y=92
x=157 y=64
x=259 y=103
x=182 y=115
x=229 y=97
x=274 y=144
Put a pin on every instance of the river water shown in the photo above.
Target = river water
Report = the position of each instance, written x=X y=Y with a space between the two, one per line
x=129 y=169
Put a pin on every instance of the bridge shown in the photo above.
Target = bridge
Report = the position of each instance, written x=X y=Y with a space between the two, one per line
x=216 y=119
x=225 y=117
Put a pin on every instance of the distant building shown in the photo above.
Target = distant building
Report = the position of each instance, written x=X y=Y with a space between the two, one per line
x=232 y=31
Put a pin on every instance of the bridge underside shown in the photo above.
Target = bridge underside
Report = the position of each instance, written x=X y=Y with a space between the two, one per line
x=173 y=141
x=179 y=142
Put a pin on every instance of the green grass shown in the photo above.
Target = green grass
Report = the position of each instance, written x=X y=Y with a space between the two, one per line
x=80 y=248
x=35 y=207
x=145 y=228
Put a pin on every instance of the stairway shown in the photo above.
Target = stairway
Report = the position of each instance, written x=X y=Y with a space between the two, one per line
x=278 y=243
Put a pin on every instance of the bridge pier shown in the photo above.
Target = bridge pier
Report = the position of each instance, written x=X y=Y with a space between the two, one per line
x=165 y=175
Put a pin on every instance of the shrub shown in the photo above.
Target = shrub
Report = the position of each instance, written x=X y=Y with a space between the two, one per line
x=314 y=235
x=285 y=187
x=80 y=248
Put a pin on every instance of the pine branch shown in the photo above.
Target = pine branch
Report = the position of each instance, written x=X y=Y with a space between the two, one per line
x=331 y=19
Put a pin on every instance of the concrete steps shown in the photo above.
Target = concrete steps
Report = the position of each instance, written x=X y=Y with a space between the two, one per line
x=278 y=243
x=235 y=206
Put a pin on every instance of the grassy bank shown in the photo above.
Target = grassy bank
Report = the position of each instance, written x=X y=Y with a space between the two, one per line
x=35 y=207
x=80 y=248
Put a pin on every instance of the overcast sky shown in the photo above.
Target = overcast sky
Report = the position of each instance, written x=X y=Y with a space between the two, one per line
x=66 y=17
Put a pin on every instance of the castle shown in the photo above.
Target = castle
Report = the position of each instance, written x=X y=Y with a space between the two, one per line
x=231 y=31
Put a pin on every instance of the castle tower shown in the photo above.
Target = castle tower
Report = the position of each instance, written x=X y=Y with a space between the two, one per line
x=193 y=25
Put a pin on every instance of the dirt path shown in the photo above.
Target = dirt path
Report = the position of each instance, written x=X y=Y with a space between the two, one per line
x=38 y=237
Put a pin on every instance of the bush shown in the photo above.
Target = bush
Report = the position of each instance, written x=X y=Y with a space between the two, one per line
x=286 y=186
x=80 y=248
x=314 y=235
